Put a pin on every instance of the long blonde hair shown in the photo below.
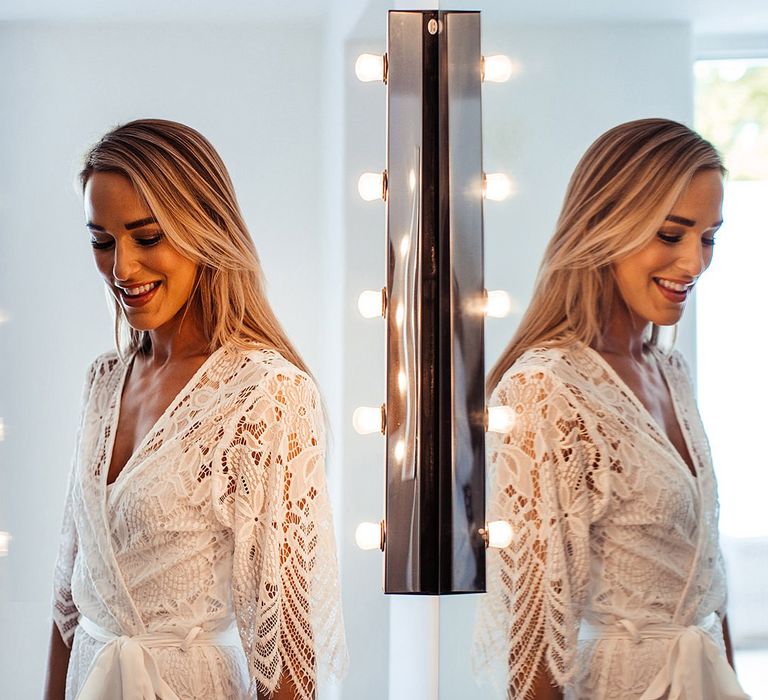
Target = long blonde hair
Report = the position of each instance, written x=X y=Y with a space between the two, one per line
x=617 y=199
x=186 y=186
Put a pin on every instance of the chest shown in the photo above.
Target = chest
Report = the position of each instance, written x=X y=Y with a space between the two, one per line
x=651 y=390
x=146 y=396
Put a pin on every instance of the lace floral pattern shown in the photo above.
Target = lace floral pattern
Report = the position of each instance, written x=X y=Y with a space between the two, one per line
x=608 y=524
x=221 y=513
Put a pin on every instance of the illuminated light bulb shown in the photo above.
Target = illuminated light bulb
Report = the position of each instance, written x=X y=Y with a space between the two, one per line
x=497 y=187
x=400 y=450
x=2 y=430
x=370 y=303
x=500 y=419
x=497 y=69
x=370 y=67
x=3 y=317
x=402 y=381
x=372 y=186
x=412 y=180
x=370 y=536
x=400 y=314
x=499 y=533
x=367 y=420
x=498 y=304
x=5 y=541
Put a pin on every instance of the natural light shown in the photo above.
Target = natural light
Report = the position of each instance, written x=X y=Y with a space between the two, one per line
x=732 y=359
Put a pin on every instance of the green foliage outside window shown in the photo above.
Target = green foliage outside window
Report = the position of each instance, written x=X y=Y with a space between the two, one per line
x=732 y=113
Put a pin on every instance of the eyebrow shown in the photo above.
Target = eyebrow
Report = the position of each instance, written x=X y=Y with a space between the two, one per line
x=689 y=222
x=128 y=227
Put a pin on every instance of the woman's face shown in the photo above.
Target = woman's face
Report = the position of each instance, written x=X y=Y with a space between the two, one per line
x=150 y=279
x=656 y=281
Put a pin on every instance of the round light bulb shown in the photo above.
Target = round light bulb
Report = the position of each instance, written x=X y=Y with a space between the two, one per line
x=498 y=304
x=499 y=534
x=369 y=536
x=497 y=187
x=369 y=67
x=497 y=69
x=370 y=303
x=367 y=420
x=500 y=419
x=370 y=186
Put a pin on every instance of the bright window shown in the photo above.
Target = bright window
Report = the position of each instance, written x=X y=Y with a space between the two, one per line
x=732 y=348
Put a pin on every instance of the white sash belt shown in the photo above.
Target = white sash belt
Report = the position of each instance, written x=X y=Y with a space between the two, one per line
x=124 y=669
x=695 y=668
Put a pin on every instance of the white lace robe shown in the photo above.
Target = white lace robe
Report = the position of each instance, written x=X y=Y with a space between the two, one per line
x=222 y=512
x=609 y=524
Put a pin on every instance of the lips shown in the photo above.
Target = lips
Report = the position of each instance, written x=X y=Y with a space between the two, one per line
x=138 y=294
x=674 y=291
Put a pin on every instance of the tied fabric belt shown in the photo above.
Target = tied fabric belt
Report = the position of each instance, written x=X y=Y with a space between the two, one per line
x=695 y=669
x=124 y=668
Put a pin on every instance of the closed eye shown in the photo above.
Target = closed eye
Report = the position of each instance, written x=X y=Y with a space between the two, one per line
x=669 y=237
x=150 y=240
x=102 y=245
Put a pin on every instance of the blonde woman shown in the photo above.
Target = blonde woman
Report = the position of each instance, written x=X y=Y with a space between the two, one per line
x=197 y=555
x=613 y=586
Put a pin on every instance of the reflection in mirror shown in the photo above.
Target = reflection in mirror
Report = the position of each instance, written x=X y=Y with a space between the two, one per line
x=575 y=80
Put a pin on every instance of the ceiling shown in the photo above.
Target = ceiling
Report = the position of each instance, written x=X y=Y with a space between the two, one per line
x=706 y=16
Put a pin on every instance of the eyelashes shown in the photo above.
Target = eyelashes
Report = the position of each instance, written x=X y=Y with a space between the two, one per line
x=672 y=238
x=143 y=242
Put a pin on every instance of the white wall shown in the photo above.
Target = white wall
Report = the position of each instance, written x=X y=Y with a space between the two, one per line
x=255 y=92
x=575 y=82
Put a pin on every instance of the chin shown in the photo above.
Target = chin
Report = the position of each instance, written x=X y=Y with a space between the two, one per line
x=666 y=319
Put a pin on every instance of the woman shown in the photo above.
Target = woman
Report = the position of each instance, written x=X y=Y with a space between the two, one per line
x=197 y=556
x=613 y=586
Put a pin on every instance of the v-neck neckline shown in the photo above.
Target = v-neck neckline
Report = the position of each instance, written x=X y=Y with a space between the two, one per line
x=650 y=419
x=114 y=418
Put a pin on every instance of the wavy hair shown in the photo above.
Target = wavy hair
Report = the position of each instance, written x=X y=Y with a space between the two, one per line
x=185 y=184
x=617 y=199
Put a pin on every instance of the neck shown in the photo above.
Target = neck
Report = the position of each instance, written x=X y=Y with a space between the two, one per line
x=624 y=333
x=177 y=340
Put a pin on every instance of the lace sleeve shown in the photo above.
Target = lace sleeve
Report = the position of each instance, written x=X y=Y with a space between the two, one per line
x=65 y=614
x=270 y=489
x=543 y=483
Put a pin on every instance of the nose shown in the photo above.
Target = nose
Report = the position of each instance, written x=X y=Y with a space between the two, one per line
x=694 y=257
x=125 y=262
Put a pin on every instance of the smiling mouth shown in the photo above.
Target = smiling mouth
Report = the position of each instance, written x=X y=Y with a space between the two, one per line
x=673 y=286
x=138 y=290
x=676 y=292
x=138 y=295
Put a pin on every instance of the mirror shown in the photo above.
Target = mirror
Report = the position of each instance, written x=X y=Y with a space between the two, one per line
x=577 y=72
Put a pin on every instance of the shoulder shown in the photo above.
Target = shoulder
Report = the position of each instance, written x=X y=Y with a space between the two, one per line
x=103 y=368
x=540 y=374
x=262 y=372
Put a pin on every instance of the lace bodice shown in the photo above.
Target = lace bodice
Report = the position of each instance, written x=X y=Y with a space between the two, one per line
x=609 y=524
x=222 y=512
